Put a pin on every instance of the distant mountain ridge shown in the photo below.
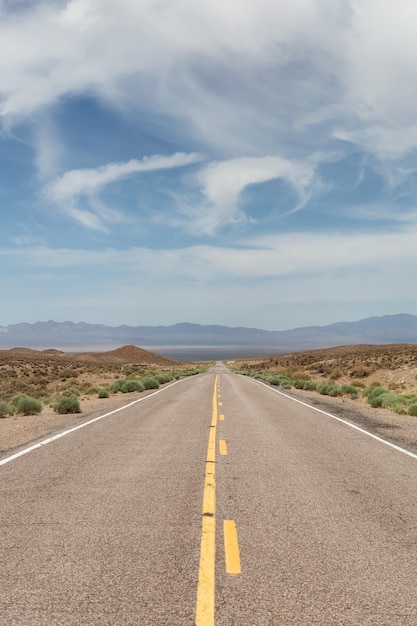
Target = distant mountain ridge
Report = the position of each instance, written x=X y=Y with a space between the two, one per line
x=209 y=339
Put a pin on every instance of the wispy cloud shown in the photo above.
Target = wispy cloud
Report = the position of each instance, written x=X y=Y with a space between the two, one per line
x=223 y=182
x=285 y=255
x=241 y=75
x=65 y=190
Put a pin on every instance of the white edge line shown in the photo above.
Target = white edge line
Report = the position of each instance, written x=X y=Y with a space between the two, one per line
x=339 y=419
x=44 y=442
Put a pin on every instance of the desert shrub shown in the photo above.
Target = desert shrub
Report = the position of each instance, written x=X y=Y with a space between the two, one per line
x=393 y=401
x=164 y=378
x=412 y=409
x=354 y=396
x=358 y=383
x=272 y=380
x=26 y=405
x=375 y=401
x=299 y=383
x=103 y=393
x=348 y=389
x=286 y=384
x=70 y=392
x=150 y=383
x=335 y=373
x=360 y=371
x=327 y=389
x=310 y=385
x=91 y=391
x=117 y=385
x=132 y=385
x=67 y=404
x=381 y=397
x=5 y=409
x=374 y=390
x=374 y=395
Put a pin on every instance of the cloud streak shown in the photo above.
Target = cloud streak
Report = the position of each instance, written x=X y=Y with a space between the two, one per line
x=65 y=190
x=265 y=257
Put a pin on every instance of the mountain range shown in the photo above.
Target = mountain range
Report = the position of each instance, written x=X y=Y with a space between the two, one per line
x=187 y=341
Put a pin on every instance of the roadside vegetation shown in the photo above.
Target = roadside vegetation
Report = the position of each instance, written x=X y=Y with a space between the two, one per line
x=31 y=380
x=382 y=376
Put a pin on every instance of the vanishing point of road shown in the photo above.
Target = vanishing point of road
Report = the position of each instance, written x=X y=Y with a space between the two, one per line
x=217 y=500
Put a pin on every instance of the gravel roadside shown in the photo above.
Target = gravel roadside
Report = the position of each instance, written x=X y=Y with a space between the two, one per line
x=20 y=429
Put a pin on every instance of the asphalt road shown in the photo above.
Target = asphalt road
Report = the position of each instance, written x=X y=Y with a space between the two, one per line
x=215 y=501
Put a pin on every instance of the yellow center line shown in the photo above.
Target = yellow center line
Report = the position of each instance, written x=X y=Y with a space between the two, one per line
x=206 y=574
x=231 y=547
x=222 y=447
x=221 y=416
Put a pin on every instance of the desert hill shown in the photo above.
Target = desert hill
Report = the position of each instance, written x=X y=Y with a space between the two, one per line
x=125 y=355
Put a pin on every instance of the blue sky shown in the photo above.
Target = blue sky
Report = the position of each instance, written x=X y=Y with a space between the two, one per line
x=241 y=163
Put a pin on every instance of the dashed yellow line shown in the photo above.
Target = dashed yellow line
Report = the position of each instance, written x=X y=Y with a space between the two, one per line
x=221 y=416
x=231 y=547
x=222 y=447
x=206 y=574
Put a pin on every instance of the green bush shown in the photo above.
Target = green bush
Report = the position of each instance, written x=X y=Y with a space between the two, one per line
x=273 y=380
x=412 y=409
x=132 y=385
x=348 y=389
x=299 y=383
x=103 y=393
x=325 y=388
x=375 y=401
x=6 y=409
x=374 y=391
x=381 y=397
x=117 y=386
x=310 y=385
x=67 y=404
x=26 y=405
x=163 y=378
x=150 y=383
x=91 y=391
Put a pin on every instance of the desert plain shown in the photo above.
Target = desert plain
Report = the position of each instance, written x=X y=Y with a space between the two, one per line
x=49 y=374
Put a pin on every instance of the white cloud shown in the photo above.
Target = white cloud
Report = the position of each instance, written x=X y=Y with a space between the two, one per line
x=223 y=182
x=67 y=189
x=242 y=76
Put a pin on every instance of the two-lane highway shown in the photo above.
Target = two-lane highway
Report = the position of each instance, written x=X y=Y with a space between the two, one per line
x=215 y=501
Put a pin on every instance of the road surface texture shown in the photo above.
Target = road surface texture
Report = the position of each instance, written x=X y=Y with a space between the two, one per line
x=218 y=501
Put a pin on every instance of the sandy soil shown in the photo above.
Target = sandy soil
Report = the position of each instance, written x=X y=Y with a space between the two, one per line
x=20 y=429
